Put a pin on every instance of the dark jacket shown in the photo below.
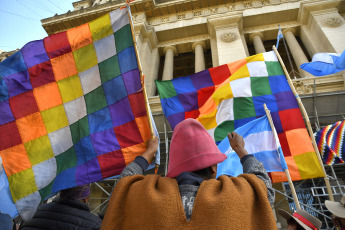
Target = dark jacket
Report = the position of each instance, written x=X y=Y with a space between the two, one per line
x=65 y=214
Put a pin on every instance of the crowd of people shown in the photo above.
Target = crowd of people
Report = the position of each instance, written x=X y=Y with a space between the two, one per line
x=188 y=197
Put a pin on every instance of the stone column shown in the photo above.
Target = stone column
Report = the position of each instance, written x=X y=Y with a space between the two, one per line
x=296 y=50
x=256 y=38
x=199 y=48
x=168 y=70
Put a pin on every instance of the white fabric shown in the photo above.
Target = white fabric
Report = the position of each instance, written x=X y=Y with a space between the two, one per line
x=27 y=206
x=75 y=109
x=61 y=140
x=241 y=87
x=118 y=19
x=268 y=145
x=225 y=111
x=324 y=57
x=45 y=172
x=105 y=48
x=257 y=69
x=90 y=79
x=270 y=56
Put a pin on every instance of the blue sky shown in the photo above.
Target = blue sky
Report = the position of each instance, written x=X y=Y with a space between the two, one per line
x=20 y=20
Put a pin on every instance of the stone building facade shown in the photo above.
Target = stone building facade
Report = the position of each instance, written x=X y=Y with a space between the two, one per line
x=177 y=38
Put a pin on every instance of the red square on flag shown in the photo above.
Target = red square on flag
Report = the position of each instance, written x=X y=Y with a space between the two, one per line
x=9 y=135
x=128 y=134
x=204 y=94
x=107 y=162
x=57 y=45
x=284 y=144
x=23 y=104
x=219 y=74
x=291 y=119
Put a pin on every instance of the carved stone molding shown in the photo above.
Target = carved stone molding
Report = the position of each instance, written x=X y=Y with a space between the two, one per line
x=333 y=22
x=228 y=37
x=184 y=40
x=301 y=88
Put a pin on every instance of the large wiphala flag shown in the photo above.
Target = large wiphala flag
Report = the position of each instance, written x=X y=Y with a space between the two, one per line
x=72 y=110
x=226 y=97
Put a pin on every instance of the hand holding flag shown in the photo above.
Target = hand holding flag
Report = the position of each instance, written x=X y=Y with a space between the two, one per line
x=260 y=142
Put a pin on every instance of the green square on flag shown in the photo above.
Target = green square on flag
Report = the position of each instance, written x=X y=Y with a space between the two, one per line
x=80 y=129
x=260 y=86
x=223 y=129
x=166 y=89
x=274 y=68
x=66 y=160
x=95 y=100
x=109 y=69
x=123 y=39
x=243 y=107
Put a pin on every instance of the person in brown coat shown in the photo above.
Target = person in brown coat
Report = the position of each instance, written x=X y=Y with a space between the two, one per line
x=190 y=197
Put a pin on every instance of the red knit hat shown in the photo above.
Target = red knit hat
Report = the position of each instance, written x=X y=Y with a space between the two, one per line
x=192 y=149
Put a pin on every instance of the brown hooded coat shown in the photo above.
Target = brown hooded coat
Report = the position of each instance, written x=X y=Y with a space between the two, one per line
x=154 y=202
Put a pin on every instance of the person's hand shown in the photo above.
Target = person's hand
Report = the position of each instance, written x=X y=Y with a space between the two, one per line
x=237 y=144
x=152 y=146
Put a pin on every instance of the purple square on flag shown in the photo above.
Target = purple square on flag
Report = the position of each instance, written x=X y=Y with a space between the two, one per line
x=202 y=79
x=276 y=121
x=34 y=53
x=105 y=141
x=88 y=172
x=65 y=179
x=175 y=119
x=240 y=122
x=189 y=100
x=18 y=83
x=286 y=100
x=5 y=112
x=121 y=112
x=132 y=81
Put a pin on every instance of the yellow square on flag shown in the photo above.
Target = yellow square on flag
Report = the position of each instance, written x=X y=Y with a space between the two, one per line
x=101 y=27
x=70 y=88
x=54 y=118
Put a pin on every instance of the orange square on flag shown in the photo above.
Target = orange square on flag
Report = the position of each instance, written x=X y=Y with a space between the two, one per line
x=299 y=141
x=11 y=161
x=236 y=65
x=130 y=153
x=144 y=127
x=31 y=127
x=64 y=66
x=79 y=36
x=293 y=169
x=47 y=96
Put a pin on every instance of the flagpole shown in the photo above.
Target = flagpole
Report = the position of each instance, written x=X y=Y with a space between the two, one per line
x=142 y=77
x=292 y=187
x=140 y=70
x=301 y=106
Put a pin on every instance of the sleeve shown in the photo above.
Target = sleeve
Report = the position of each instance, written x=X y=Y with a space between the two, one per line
x=137 y=167
x=252 y=166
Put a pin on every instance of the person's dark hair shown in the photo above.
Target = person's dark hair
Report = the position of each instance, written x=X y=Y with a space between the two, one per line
x=292 y=221
x=76 y=193
x=204 y=173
